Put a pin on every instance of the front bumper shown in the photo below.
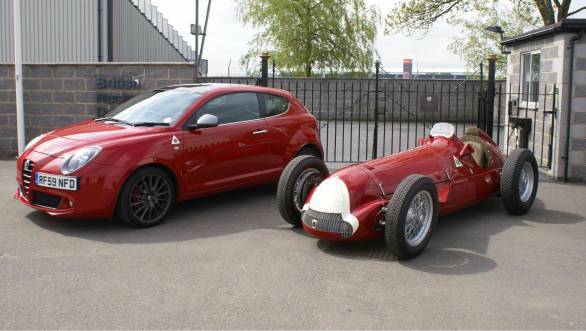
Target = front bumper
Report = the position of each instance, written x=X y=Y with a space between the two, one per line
x=96 y=197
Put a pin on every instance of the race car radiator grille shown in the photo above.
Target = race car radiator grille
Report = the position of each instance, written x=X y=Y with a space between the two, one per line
x=327 y=222
x=27 y=171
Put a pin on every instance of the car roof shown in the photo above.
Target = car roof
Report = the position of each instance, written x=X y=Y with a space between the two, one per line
x=224 y=87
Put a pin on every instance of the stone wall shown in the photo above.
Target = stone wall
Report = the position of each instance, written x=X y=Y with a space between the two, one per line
x=578 y=122
x=58 y=95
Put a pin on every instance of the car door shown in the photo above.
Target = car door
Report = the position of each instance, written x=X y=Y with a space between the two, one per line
x=281 y=127
x=230 y=155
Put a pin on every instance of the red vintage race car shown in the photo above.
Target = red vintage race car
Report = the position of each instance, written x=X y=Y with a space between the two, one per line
x=400 y=197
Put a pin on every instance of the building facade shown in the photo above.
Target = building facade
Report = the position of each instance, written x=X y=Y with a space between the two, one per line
x=546 y=77
x=91 y=31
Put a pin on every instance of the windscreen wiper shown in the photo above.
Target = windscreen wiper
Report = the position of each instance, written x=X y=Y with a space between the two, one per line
x=150 y=124
x=112 y=119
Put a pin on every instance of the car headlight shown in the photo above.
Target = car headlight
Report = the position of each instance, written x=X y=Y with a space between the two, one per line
x=79 y=159
x=34 y=141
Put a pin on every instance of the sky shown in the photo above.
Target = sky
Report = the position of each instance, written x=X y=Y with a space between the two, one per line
x=227 y=38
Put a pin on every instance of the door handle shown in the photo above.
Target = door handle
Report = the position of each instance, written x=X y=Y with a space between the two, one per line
x=260 y=132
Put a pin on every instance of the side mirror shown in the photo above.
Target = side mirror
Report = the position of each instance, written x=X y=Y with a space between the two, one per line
x=206 y=121
x=466 y=150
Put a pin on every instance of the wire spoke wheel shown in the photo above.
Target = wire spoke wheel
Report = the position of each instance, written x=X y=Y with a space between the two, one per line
x=410 y=216
x=307 y=180
x=150 y=198
x=519 y=181
x=418 y=218
x=526 y=181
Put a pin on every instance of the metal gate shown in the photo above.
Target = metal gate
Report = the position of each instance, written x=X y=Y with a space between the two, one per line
x=346 y=111
x=527 y=120
x=361 y=119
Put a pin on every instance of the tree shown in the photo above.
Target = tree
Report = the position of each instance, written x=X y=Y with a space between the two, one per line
x=514 y=16
x=420 y=15
x=474 y=43
x=304 y=35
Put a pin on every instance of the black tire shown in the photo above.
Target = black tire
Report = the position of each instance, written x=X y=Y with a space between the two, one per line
x=396 y=215
x=515 y=202
x=135 y=195
x=301 y=175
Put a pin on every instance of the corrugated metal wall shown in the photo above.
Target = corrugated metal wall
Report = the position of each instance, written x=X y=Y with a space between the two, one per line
x=138 y=40
x=52 y=31
x=66 y=31
x=6 y=32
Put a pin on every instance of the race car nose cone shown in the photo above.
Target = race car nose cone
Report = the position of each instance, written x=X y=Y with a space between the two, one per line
x=332 y=197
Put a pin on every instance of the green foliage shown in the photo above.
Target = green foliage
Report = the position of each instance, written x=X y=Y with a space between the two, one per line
x=420 y=15
x=412 y=16
x=472 y=16
x=475 y=43
x=307 y=35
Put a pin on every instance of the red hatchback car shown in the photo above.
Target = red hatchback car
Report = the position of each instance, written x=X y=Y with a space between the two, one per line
x=164 y=146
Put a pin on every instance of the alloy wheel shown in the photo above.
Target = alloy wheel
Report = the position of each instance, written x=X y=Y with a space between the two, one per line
x=150 y=198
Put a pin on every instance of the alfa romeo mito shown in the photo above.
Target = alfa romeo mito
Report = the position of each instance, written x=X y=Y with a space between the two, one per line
x=164 y=146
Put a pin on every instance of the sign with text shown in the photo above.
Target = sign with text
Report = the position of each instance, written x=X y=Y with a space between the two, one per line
x=117 y=83
x=107 y=100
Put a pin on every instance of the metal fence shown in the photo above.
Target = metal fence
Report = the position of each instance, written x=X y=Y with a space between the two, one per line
x=530 y=120
x=407 y=109
x=345 y=110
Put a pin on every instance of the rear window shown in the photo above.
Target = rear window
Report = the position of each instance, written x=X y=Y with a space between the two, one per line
x=274 y=105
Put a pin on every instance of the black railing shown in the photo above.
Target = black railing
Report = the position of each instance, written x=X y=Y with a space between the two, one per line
x=530 y=119
x=345 y=110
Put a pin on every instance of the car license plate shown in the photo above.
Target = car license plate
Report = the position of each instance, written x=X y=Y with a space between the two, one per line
x=56 y=181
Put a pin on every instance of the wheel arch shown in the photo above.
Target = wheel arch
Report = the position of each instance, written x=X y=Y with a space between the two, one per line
x=168 y=170
x=310 y=147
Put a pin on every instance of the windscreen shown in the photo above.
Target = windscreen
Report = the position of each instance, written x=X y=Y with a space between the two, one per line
x=159 y=106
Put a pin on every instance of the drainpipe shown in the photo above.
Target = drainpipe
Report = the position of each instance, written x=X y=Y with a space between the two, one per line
x=196 y=41
x=110 y=36
x=20 y=127
x=570 y=86
x=99 y=30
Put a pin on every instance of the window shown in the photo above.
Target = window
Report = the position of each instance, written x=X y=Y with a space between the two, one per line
x=231 y=108
x=274 y=105
x=159 y=106
x=530 y=69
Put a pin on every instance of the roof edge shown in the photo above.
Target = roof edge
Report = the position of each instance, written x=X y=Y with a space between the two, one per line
x=567 y=25
x=172 y=36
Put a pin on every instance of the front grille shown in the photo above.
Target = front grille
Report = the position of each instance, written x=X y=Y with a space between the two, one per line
x=327 y=222
x=45 y=200
x=27 y=174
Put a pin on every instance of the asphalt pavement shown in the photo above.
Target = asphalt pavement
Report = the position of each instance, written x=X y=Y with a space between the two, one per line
x=230 y=262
